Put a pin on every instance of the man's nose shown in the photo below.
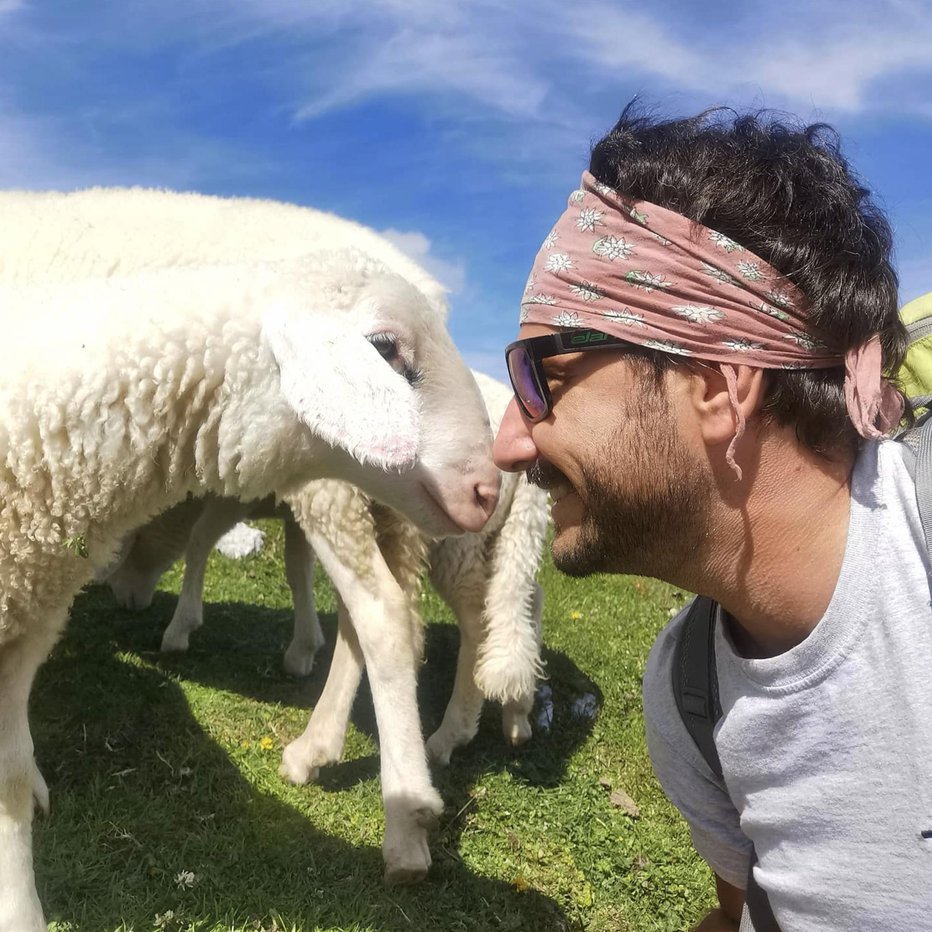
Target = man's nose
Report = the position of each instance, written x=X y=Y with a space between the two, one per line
x=513 y=449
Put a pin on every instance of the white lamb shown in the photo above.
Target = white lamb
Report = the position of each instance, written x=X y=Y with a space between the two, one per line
x=120 y=397
x=486 y=577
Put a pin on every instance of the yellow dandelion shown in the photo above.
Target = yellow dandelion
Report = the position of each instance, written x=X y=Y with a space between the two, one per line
x=575 y=616
x=520 y=883
x=266 y=743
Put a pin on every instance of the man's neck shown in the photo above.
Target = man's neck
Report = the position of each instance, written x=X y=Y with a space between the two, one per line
x=778 y=547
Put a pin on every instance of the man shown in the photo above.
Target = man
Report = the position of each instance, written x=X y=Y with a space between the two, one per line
x=698 y=385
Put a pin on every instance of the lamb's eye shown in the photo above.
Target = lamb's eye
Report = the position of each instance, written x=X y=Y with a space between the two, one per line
x=387 y=345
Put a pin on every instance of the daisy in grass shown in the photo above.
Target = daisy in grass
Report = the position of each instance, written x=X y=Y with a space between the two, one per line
x=626 y=317
x=646 y=281
x=558 y=262
x=724 y=242
x=567 y=319
x=612 y=248
x=698 y=313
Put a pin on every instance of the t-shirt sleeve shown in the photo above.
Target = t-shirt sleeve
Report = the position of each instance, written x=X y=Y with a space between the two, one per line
x=687 y=780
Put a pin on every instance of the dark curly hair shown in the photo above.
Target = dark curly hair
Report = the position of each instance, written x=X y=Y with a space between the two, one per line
x=785 y=192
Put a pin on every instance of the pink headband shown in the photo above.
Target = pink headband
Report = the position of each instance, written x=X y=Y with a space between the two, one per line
x=660 y=280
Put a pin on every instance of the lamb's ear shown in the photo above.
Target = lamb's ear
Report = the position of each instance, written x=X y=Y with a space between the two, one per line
x=340 y=387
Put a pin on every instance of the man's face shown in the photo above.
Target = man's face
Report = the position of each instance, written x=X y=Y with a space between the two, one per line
x=627 y=493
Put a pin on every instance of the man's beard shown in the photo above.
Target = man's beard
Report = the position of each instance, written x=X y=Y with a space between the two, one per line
x=642 y=504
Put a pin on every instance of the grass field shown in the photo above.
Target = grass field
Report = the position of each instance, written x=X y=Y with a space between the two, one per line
x=168 y=812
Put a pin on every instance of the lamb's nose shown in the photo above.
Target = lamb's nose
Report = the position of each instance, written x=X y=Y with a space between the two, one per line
x=486 y=497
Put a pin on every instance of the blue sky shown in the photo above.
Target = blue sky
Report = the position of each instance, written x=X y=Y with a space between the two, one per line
x=459 y=126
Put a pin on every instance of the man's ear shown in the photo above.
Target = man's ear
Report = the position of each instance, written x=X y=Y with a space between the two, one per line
x=340 y=387
x=709 y=394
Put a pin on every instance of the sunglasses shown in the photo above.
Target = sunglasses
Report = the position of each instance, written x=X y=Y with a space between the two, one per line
x=523 y=359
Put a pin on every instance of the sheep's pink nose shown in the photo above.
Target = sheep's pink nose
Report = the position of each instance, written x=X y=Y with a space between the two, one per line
x=486 y=497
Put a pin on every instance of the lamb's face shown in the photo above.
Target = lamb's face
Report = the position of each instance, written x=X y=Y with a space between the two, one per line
x=380 y=380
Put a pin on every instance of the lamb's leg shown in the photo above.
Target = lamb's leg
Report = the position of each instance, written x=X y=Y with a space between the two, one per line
x=20 y=785
x=516 y=712
x=461 y=718
x=153 y=548
x=218 y=516
x=323 y=739
x=299 y=570
x=378 y=607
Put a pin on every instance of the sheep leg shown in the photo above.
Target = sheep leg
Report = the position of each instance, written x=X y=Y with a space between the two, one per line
x=516 y=711
x=323 y=739
x=461 y=718
x=378 y=608
x=307 y=638
x=218 y=516
x=21 y=785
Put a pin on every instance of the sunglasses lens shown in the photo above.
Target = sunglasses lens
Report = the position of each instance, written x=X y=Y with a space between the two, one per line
x=524 y=382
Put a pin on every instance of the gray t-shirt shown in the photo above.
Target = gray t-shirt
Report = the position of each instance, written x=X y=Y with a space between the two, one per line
x=827 y=748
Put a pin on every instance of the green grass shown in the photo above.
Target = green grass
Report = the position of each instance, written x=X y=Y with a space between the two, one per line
x=159 y=766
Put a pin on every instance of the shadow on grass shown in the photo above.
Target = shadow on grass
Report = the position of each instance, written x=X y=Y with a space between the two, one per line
x=142 y=793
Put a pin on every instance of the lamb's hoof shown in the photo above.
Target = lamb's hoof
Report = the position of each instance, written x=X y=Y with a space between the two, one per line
x=441 y=745
x=516 y=728
x=296 y=766
x=40 y=791
x=175 y=641
x=299 y=660
x=405 y=850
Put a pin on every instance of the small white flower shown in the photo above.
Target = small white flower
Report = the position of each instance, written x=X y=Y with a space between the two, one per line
x=185 y=879
x=567 y=319
x=587 y=291
x=729 y=245
x=742 y=345
x=779 y=298
x=558 y=262
x=667 y=346
x=751 y=271
x=577 y=197
x=717 y=273
x=541 y=299
x=551 y=240
x=646 y=281
x=698 y=313
x=804 y=340
x=625 y=316
x=612 y=248
x=588 y=218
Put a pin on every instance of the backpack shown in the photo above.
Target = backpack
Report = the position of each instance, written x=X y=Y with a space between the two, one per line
x=695 y=681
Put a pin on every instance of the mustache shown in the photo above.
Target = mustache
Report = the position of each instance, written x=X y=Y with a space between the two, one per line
x=545 y=475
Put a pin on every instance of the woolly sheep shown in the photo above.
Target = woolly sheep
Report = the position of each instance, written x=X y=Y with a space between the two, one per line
x=487 y=578
x=120 y=397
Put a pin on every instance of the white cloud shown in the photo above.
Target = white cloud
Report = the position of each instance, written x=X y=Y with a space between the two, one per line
x=452 y=275
x=10 y=6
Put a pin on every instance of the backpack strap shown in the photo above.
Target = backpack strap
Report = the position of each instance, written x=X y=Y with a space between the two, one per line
x=695 y=681
x=918 y=443
x=695 y=688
